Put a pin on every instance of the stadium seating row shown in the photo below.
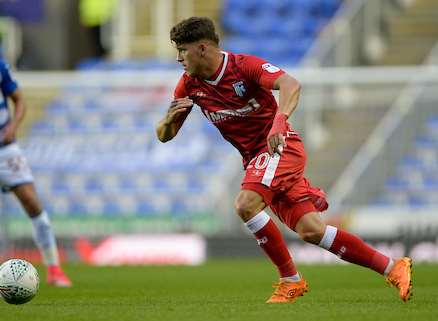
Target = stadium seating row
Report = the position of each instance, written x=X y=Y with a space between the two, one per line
x=280 y=31
x=84 y=167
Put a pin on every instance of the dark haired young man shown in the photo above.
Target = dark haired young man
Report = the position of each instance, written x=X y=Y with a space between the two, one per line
x=234 y=93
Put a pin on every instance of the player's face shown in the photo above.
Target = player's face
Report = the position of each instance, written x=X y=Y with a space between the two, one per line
x=188 y=56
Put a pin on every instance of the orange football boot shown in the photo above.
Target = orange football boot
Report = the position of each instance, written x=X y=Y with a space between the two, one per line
x=401 y=277
x=286 y=291
x=57 y=277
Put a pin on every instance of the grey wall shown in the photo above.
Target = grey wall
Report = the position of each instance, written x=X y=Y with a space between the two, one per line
x=45 y=44
x=59 y=42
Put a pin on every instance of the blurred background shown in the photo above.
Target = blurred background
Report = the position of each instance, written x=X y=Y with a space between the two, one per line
x=98 y=74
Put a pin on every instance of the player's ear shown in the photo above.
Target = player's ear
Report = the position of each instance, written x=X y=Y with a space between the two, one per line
x=202 y=49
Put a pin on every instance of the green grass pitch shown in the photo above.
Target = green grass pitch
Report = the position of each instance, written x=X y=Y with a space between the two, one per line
x=226 y=290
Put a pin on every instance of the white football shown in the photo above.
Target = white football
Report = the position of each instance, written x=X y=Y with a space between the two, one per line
x=19 y=281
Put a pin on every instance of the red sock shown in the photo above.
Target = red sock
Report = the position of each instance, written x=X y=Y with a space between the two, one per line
x=352 y=249
x=271 y=241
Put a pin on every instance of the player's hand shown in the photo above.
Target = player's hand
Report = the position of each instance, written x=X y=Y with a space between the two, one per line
x=9 y=133
x=275 y=138
x=177 y=108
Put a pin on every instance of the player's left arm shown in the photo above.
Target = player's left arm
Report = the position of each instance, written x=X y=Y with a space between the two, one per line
x=290 y=90
x=10 y=130
x=271 y=77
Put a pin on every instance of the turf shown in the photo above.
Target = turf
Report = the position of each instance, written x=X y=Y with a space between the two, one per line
x=225 y=290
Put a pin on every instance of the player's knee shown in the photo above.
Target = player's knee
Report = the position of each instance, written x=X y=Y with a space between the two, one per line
x=311 y=228
x=29 y=201
x=312 y=236
x=32 y=207
x=248 y=203
x=244 y=210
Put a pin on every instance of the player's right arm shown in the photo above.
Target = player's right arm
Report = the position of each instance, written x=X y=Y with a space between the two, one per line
x=11 y=128
x=9 y=88
x=169 y=126
x=179 y=108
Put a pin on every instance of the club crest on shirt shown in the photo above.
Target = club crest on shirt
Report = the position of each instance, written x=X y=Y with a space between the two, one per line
x=239 y=88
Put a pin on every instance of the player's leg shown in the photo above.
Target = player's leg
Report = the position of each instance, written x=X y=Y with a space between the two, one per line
x=345 y=245
x=351 y=248
x=15 y=175
x=42 y=230
x=249 y=206
x=42 y=233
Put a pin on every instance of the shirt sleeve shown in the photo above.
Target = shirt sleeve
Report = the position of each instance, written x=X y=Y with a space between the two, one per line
x=259 y=70
x=8 y=85
x=180 y=89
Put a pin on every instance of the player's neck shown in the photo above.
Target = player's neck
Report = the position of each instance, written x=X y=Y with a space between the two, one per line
x=212 y=65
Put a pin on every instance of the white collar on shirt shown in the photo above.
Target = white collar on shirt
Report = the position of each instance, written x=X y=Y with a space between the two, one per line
x=219 y=77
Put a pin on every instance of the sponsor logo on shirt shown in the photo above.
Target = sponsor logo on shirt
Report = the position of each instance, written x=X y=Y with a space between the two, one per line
x=270 y=68
x=239 y=88
x=225 y=114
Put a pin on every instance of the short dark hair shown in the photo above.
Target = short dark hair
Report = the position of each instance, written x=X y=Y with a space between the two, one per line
x=193 y=29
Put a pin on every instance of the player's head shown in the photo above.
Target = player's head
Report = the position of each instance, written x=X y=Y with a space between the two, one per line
x=192 y=30
x=194 y=38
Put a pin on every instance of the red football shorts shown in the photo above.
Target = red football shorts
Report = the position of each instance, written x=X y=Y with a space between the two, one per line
x=280 y=181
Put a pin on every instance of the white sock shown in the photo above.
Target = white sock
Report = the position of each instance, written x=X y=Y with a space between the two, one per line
x=257 y=222
x=294 y=278
x=45 y=239
x=328 y=238
x=388 y=267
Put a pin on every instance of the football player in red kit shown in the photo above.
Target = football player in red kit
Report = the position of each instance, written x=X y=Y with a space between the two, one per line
x=234 y=93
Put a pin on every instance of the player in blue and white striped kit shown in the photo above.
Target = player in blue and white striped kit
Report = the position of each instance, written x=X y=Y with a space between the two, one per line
x=16 y=176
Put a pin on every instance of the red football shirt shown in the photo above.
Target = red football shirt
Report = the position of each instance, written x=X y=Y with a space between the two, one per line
x=238 y=101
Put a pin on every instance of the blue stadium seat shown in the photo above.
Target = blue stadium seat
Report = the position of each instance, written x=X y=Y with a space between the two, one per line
x=304 y=7
x=93 y=185
x=179 y=206
x=145 y=208
x=416 y=178
x=194 y=185
x=239 y=44
x=292 y=21
x=327 y=8
x=126 y=185
x=281 y=8
x=243 y=6
x=42 y=126
x=292 y=28
x=260 y=23
x=417 y=201
x=60 y=187
x=77 y=208
x=284 y=53
x=431 y=184
x=396 y=184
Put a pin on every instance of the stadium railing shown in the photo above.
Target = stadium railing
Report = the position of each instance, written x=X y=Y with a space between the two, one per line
x=390 y=140
x=355 y=32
